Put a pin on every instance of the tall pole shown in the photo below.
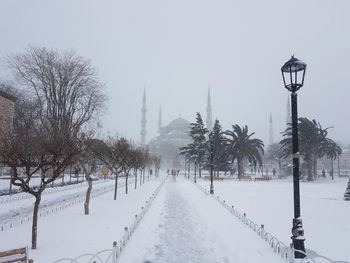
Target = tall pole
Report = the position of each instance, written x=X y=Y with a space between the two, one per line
x=211 y=163
x=189 y=168
x=115 y=187
x=195 y=172
x=297 y=230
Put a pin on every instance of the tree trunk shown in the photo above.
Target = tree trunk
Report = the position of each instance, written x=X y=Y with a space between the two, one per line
x=126 y=182
x=314 y=165
x=63 y=179
x=239 y=167
x=135 y=172
x=70 y=174
x=309 y=170
x=11 y=176
x=140 y=177
x=195 y=172
x=115 y=186
x=199 y=170
x=279 y=166
x=144 y=174
x=88 y=193
x=332 y=169
x=189 y=169
x=35 y=220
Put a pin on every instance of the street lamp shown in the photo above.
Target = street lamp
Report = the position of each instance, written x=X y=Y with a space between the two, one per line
x=293 y=72
x=211 y=162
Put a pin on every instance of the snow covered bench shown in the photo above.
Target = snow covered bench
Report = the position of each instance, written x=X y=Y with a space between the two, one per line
x=263 y=178
x=245 y=178
x=215 y=178
x=15 y=256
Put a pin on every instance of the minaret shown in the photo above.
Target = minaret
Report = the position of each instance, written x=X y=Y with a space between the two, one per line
x=209 y=112
x=160 y=119
x=271 y=140
x=289 y=116
x=143 y=120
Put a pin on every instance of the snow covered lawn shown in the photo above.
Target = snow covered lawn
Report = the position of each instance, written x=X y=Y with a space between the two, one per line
x=70 y=233
x=326 y=217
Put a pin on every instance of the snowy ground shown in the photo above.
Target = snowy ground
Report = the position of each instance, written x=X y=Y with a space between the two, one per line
x=325 y=215
x=185 y=225
x=70 y=233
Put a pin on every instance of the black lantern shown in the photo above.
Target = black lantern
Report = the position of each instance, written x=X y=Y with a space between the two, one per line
x=293 y=72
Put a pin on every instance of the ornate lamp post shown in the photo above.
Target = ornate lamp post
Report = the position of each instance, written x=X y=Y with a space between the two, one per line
x=211 y=162
x=293 y=72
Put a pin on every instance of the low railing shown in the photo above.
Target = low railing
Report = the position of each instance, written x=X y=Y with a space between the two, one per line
x=45 y=211
x=112 y=255
x=50 y=190
x=286 y=252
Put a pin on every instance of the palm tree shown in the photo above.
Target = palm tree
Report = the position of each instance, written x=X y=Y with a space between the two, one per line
x=242 y=146
x=331 y=150
x=313 y=144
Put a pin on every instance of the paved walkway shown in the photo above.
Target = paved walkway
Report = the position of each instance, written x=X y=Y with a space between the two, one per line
x=183 y=225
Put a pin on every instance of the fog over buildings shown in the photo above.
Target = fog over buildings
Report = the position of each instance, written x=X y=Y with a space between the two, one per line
x=174 y=50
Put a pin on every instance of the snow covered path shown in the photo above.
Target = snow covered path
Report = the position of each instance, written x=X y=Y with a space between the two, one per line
x=185 y=225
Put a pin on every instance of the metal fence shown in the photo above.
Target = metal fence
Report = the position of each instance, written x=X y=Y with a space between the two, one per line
x=45 y=211
x=55 y=189
x=112 y=255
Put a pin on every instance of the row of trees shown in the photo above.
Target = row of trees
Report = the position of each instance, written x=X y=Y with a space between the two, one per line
x=227 y=147
x=238 y=146
x=120 y=156
x=59 y=102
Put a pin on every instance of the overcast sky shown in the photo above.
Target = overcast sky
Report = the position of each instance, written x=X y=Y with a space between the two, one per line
x=177 y=48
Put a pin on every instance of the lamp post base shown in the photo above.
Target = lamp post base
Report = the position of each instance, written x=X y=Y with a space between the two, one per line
x=298 y=238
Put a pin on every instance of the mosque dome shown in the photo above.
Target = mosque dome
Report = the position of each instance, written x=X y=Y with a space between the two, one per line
x=178 y=124
x=170 y=139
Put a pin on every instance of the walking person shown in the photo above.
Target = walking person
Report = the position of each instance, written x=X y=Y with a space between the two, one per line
x=173 y=174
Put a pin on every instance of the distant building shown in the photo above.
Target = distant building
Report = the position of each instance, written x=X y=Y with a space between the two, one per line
x=171 y=137
x=7 y=111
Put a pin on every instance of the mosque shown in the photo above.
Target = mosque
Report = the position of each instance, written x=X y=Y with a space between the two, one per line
x=176 y=134
x=172 y=136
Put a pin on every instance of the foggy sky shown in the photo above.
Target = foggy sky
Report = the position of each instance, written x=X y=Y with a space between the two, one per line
x=177 y=48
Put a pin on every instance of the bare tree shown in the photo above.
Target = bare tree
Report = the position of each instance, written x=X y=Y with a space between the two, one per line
x=87 y=160
x=66 y=98
x=130 y=162
x=113 y=154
